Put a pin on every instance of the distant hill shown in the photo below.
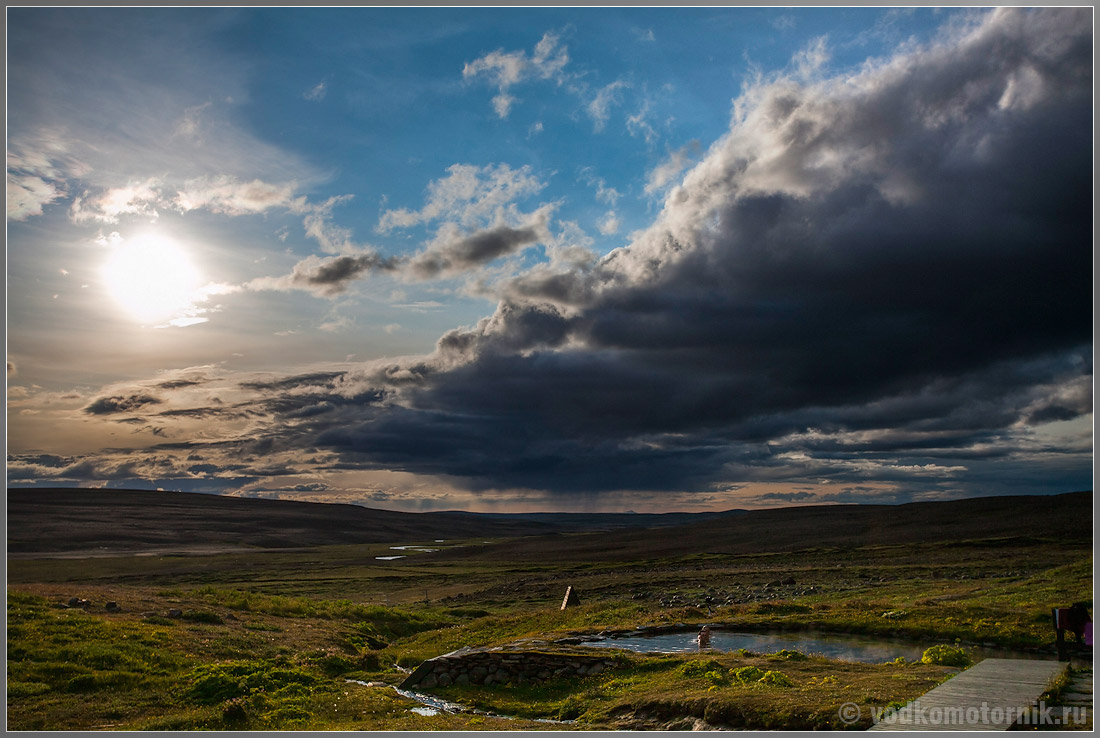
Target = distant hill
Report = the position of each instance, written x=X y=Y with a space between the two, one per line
x=60 y=520
x=67 y=519
x=563 y=522
x=1065 y=516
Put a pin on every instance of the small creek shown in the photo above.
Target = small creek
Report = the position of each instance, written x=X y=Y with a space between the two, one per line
x=434 y=705
x=834 y=646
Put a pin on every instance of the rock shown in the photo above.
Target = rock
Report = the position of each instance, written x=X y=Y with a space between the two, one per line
x=462 y=679
x=112 y=607
x=230 y=616
x=478 y=674
x=428 y=682
x=596 y=668
x=174 y=613
x=445 y=680
x=789 y=581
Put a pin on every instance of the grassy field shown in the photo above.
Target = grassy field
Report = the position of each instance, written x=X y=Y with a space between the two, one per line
x=269 y=639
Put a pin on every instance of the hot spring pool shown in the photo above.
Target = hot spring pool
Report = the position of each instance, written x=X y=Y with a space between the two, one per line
x=840 y=647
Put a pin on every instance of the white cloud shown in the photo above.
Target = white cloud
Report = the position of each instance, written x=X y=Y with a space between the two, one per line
x=599 y=108
x=639 y=125
x=507 y=69
x=229 y=196
x=610 y=223
x=136 y=198
x=27 y=194
x=668 y=170
x=317 y=93
x=604 y=194
x=36 y=173
x=469 y=196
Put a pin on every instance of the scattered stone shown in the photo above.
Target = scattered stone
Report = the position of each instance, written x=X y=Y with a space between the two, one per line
x=79 y=602
x=174 y=613
x=112 y=607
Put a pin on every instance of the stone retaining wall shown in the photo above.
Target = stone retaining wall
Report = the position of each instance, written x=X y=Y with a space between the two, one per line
x=500 y=666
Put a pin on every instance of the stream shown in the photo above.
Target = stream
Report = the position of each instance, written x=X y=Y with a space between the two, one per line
x=434 y=705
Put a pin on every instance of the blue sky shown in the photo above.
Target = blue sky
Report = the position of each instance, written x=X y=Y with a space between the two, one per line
x=376 y=255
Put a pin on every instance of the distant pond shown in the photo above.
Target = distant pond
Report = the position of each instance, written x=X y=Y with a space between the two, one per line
x=857 y=648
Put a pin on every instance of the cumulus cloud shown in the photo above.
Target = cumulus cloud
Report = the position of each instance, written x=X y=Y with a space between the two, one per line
x=609 y=224
x=134 y=199
x=880 y=281
x=469 y=195
x=229 y=196
x=669 y=169
x=508 y=69
x=453 y=251
x=325 y=276
x=120 y=404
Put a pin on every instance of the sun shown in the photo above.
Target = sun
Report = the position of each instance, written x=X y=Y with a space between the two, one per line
x=151 y=278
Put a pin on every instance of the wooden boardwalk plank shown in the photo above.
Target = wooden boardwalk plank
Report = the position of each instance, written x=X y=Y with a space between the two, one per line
x=987 y=696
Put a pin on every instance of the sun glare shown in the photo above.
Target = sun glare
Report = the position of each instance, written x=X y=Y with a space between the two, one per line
x=151 y=278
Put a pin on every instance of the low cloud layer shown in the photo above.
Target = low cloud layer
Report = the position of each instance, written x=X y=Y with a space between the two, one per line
x=880 y=281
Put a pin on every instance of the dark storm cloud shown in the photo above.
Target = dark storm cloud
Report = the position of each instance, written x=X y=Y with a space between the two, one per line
x=326 y=276
x=906 y=255
x=458 y=253
x=179 y=383
x=314 y=379
x=878 y=278
x=120 y=404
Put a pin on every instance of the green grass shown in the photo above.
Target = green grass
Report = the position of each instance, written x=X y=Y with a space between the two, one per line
x=268 y=638
x=670 y=692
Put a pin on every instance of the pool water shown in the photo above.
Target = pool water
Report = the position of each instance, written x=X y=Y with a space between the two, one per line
x=839 y=647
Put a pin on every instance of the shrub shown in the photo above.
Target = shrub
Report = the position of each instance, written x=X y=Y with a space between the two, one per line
x=699 y=668
x=214 y=683
x=776 y=679
x=747 y=674
x=944 y=655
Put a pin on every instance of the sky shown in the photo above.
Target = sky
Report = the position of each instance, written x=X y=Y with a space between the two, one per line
x=589 y=259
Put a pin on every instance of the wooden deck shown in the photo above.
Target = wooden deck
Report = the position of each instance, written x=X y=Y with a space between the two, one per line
x=987 y=696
